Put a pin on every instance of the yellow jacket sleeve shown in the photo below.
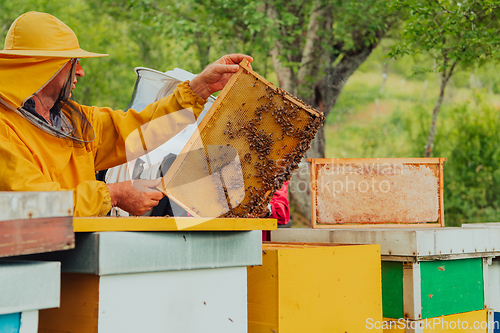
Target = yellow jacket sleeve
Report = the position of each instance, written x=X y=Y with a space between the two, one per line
x=32 y=160
x=20 y=173
x=124 y=136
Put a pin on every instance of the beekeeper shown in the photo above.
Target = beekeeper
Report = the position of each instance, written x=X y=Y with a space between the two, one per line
x=50 y=143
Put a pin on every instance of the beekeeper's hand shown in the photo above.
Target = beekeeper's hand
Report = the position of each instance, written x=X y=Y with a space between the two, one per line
x=135 y=196
x=215 y=76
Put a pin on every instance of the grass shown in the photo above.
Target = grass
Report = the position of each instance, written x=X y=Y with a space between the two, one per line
x=366 y=121
x=373 y=118
x=394 y=121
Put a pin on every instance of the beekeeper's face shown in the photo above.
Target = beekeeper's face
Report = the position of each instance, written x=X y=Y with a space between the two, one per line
x=54 y=87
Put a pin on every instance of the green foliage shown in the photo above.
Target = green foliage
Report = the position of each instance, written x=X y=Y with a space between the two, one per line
x=358 y=23
x=352 y=29
x=461 y=31
x=469 y=139
x=399 y=134
x=207 y=29
x=472 y=169
x=398 y=127
x=366 y=121
x=454 y=33
x=108 y=81
x=194 y=25
x=470 y=144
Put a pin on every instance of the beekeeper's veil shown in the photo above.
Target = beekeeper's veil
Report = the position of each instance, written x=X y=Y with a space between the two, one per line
x=37 y=47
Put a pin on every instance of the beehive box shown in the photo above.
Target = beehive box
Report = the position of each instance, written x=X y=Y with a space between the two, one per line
x=379 y=192
x=154 y=282
x=405 y=244
x=493 y=291
x=198 y=300
x=447 y=270
x=35 y=222
x=249 y=142
x=468 y=322
x=99 y=224
x=26 y=288
x=427 y=289
x=314 y=288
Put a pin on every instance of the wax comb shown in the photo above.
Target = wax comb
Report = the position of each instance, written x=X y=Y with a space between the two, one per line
x=250 y=141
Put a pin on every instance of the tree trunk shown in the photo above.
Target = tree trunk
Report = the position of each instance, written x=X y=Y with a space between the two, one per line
x=332 y=84
x=284 y=73
x=310 y=55
x=322 y=92
x=432 y=132
x=327 y=92
x=445 y=78
x=300 y=184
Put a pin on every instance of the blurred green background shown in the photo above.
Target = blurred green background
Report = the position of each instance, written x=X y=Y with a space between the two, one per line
x=383 y=110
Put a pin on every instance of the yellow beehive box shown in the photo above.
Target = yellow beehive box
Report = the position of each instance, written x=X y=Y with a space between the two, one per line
x=315 y=288
x=471 y=322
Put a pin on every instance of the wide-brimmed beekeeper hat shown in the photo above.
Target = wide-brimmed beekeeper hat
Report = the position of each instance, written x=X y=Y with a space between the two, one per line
x=43 y=35
x=37 y=47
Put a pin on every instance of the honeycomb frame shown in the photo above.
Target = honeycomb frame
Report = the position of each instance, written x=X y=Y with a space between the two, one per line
x=271 y=131
x=435 y=164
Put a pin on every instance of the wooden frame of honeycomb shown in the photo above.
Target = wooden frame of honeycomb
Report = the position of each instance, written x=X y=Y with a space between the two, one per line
x=268 y=128
x=381 y=192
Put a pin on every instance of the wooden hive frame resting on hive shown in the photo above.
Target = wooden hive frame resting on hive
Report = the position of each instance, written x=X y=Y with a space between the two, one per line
x=249 y=142
x=377 y=206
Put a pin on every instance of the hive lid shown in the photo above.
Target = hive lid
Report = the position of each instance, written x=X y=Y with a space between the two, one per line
x=35 y=222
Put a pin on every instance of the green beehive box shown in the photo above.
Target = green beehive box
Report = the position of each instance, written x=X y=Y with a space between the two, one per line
x=426 y=289
x=426 y=272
